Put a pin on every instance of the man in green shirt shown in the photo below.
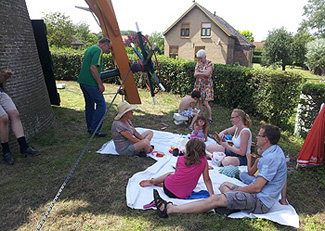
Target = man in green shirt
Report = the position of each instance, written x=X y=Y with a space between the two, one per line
x=92 y=86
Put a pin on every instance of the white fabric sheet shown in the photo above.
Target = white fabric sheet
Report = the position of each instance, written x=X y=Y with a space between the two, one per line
x=138 y=196
x=162 y=141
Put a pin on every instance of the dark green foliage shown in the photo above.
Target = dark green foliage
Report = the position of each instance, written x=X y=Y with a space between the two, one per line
x=59 y=29
x=310 y=104
x=278 y=48
x=314 y=11
x=270 y=95
x=257 y=59
x=231 y=87
x=67 y=63
x=275 y=95
x=299 y=49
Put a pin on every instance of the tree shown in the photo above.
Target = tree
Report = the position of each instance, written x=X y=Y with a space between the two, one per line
x=157 y=38
x=247 y=34
x=316 y=55
x=299 y=49
x=278 y=48
x=315 y=13
x=82 y=32
x=59 y=29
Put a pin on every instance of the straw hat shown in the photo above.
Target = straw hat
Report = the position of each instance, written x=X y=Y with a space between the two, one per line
x=123 y=108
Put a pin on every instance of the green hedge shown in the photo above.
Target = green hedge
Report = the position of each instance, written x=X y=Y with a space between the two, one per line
x=276 y=95
x=270 y=95
x=313 y=97
x=257 y=59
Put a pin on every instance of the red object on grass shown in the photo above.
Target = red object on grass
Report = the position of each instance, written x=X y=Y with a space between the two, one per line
x=312 y=151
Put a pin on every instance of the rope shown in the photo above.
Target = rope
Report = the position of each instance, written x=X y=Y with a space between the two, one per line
x=80 y=156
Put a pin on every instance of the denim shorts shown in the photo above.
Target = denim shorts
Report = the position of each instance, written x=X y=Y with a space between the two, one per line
x=244 y=201
x=242 y=159
x=188 y=112
x=129 y=151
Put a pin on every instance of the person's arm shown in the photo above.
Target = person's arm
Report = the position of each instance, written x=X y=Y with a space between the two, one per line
x=207 y=179
x=138 y=135
x=227 y=131
x=95 y=74
x=251 y=169
x=206 y=133
x=283 y=200
x=205 y=73
x=254 y=188
x=244 y=137
x=129 y=136
x=196 y=129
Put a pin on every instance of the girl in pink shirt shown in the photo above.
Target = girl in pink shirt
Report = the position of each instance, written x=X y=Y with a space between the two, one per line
x=189 y=168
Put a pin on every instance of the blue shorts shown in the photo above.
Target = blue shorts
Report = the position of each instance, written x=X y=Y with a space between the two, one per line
x=242 y=159
x=188 y=112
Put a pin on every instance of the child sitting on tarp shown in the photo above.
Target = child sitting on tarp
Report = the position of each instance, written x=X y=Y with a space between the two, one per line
x=200 y=128
x=189 y=168
x=187 y=107
x=249 y=176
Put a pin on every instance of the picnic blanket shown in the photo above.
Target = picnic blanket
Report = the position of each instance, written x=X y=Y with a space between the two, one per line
x=137 y=196
x=162 y=141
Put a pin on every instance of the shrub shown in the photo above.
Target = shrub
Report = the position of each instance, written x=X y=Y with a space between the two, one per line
x=276 y=95
x=313 y=97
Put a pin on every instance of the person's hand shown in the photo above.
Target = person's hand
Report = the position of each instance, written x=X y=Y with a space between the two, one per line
x=225 y=144
x=101 y=88
x=255 y=156
x=249 y=156
x=7 y=74
x=283 y=201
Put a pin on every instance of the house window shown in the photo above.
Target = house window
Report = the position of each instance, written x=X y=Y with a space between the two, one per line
x=206 y=29
x=185 y=30
x=197 y=49
x=173 y=52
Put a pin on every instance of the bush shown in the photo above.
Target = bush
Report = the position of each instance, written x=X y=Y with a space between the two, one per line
x=313 y=97
x=276 y=95
x=231 y=87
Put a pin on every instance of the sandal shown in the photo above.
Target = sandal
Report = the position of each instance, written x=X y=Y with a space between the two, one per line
x=159 y=202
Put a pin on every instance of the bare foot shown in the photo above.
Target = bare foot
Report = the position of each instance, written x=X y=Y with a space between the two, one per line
x=146 y=183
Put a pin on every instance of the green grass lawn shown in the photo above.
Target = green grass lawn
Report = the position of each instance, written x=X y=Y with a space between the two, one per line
x=94 y=198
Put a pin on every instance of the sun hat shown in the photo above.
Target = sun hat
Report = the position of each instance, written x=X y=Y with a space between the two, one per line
x=123 y=108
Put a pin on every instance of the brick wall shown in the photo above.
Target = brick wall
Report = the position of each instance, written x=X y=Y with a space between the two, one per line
x=18 y=53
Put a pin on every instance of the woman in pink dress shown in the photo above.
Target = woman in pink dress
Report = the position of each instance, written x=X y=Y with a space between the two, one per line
x=204 y=83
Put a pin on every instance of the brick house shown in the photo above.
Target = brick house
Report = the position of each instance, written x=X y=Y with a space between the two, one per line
x=199 y=29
